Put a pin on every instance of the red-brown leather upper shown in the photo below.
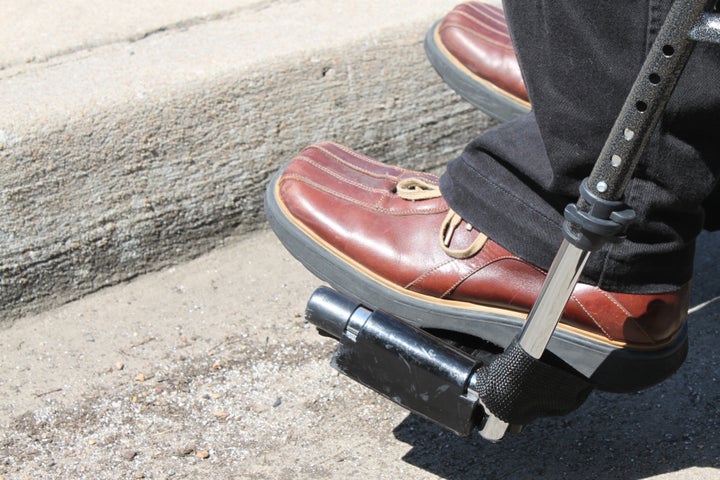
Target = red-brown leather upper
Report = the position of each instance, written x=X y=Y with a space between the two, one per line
x=476 y=34
x=349 y=204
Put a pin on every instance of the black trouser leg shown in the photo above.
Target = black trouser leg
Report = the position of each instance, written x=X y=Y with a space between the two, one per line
x=579 y=60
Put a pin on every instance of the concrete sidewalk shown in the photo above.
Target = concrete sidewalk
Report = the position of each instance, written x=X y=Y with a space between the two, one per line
x=136 y=135
x=139 y=134
x=208 y=370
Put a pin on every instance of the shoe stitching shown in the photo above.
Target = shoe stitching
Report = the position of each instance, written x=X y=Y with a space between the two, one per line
x=479 y=22
x=428 y=272
x=590 y=316
x=538 y=269
x=378 y=204
x=514 y=258
x=398 y=170
x=475 y=269
x=485 y=38
x=629 y=316
x=611 y=298
x=449 y=261
x=345 y=179
x=494 y=14
x=464 y=278
x=384 y=193
x=368 y=206
x=323 y=188
x=500 y=29
x=616 y=302
x=622 y=309
x=580 y=304
x=484 y=266
x=359 y=157
x=640 y=327
x=484 y=8
x=483 y=19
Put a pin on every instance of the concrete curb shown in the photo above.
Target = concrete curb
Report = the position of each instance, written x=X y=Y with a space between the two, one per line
x=97 y=191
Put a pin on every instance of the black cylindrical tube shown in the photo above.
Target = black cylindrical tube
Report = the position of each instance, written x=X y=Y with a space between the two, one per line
x=329 y=311
x=402 y=362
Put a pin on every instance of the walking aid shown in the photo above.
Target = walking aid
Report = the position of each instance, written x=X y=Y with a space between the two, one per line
x=499 y=392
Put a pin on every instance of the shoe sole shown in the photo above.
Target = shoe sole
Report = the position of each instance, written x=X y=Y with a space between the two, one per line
x=482 y=94
x=607 y=366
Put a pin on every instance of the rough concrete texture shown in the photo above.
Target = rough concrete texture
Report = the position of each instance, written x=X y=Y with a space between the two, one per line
x=134 y=154
x=208 y=370
x=37 y=31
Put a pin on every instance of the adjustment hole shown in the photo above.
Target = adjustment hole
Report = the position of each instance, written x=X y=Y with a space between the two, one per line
x=654 y=78
x=628 y=134
x=668 y=50
x=641 y=106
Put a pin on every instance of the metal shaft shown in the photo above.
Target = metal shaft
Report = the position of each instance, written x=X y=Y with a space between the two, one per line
x=543 y=318
x=614 y=168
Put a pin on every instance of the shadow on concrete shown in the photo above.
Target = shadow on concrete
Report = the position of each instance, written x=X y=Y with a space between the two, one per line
x=667 y=428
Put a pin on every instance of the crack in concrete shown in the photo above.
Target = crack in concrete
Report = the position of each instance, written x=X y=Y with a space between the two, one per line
x=171 y=27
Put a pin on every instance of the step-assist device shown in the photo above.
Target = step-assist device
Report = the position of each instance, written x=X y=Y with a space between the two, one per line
x=498 y=392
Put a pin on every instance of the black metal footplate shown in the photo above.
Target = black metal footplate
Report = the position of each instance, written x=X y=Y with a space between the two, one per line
x=435 y=380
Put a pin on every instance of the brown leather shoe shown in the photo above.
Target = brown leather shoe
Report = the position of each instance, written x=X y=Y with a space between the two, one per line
x=386 y=237
x=471 y=50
